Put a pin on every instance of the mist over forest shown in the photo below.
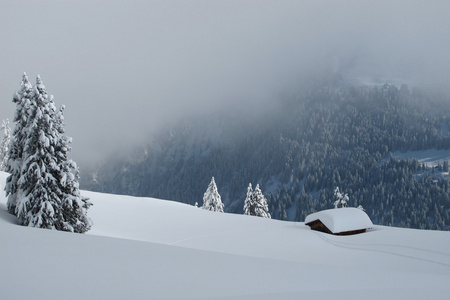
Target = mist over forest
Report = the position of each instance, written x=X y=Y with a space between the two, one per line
x=328 y=134
x=126 y=69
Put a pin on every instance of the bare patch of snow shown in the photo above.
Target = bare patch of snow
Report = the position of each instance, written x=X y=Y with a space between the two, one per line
x=431 y=158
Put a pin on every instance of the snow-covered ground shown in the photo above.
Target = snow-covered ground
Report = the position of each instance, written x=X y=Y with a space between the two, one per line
x=143 y=248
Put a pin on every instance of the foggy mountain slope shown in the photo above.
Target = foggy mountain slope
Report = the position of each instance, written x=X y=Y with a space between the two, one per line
x=299 y=151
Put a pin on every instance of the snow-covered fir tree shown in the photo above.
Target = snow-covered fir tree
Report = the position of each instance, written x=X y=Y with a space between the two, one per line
x=74 y=206
x=48 y=194
x=5 y=144
x=211 y=199
x=341 y=198
x=38 y=203
x=22 y=99
x=248 y=201
x=255 y=203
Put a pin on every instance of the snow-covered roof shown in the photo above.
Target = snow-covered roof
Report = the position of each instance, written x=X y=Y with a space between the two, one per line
x=342 y=219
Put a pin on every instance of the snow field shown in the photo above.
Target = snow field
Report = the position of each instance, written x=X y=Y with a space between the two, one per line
x=144 y=248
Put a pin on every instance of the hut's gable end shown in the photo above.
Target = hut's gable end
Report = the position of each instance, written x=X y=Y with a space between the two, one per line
x=318 y=225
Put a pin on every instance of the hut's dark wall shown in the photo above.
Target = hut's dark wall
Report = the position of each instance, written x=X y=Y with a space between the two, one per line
x=319 y=226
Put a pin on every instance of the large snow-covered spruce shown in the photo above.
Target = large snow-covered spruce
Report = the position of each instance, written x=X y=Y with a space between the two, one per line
x=211 y=199
x=47 y=189
x=255 y=203
x=38 y=204
x=22 y=99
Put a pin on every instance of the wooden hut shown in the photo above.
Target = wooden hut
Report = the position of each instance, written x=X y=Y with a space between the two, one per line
x=339 y=221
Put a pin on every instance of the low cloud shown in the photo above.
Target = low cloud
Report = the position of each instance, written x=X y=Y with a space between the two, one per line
x=124 y=69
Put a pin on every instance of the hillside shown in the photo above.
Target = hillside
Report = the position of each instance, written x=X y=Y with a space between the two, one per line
x=299 y=148
x=145 y=248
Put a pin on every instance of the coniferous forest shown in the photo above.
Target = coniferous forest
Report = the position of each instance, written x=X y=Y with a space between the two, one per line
x=299 y=150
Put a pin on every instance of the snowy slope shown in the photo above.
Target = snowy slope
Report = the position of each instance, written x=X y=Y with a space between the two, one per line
x=143 y=248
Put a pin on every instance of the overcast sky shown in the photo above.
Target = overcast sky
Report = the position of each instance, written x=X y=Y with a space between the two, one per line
x=123 y=68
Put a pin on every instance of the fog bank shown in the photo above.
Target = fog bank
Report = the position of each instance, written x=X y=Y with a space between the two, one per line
x=125 y=69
